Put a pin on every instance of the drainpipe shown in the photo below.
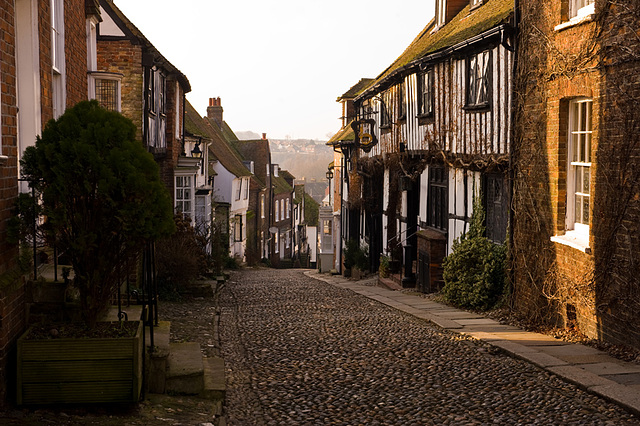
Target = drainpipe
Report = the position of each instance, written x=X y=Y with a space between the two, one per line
x=516 y=24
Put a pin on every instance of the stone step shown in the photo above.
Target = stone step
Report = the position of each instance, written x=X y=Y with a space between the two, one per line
x=158 y=358
x=199 y=289
x=214 y=379
x=185 y=372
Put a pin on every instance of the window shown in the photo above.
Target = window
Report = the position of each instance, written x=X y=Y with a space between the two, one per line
x=92 y=55
x=237 y=228
x=107 y=90
x=497 y=207
x=201 y=211
x=425 y=84
x=475 y=3
x=437 y=204
x=402 y=106
x=478 y=81
x=151 y=88
x=262 y=206
x=239 y=189
x=287 y=239
x=579 y=167
x=57 y=57
x=277 y=242
x=184 y=195
x=581 y=8
x=246 y=189
x=287 y=208
x=384 y=112
x=277 y=211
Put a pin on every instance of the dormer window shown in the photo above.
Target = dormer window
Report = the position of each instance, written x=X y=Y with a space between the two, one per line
x=475 y=3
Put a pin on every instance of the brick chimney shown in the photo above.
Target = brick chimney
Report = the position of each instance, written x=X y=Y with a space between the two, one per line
x=214 y=111
x=264 y=136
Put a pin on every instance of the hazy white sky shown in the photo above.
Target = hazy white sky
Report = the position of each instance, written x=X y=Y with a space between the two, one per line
x=278 y=65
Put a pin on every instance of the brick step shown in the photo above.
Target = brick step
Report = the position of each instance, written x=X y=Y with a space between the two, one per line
x=185 y=369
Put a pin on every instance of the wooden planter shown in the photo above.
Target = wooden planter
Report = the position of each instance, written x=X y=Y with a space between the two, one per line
x=80 y=371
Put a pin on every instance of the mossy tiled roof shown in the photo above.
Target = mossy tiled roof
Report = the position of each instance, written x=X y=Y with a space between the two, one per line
x=465 y=25
x=357 y=88
x=346 y=134
x=197 y=126
x=280 y=185
x=311 y=207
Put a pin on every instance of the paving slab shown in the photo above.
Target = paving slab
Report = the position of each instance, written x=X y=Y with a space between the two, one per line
x=528 y=338
x=580 y=377
x=625 y=379
x=459 y=315
x=541 y=359
x=605 y=368
x=619 y=394
x=513 y=348
x=477 y=321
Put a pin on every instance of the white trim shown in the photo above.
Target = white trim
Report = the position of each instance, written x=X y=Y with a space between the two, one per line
x=574 y=239
x=586 y=14
x=572 y=132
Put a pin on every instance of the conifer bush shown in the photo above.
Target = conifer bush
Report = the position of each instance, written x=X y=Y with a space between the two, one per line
x=474 y=273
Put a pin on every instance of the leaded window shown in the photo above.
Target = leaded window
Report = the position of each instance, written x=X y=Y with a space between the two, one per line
x=479 y=79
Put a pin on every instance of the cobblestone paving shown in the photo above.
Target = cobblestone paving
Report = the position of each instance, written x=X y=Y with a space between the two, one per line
x=301 y=352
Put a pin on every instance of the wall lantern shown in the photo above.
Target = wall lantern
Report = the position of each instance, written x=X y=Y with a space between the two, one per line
x=196 y=152
x=329 y=174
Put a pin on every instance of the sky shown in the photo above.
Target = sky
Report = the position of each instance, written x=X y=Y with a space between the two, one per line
x=278 y=65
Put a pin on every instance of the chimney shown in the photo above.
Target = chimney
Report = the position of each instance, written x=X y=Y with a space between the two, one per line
x=214 y=111
x=264 y=136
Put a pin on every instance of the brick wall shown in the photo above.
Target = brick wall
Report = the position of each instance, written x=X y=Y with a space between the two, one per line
x=12 y=308
x=120 y=56
x=75 y=24
x=554 y=282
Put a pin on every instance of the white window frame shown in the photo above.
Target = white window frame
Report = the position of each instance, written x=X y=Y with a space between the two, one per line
x=246 y=189
x=579 y=9
x=92 y=49
x=95 y=77
x=239 y=189
x=580 y=154
x=277 y=242
x=287 y=208
x=185 y=195
x=281 y=209
x=277 y=211
x=58 y=80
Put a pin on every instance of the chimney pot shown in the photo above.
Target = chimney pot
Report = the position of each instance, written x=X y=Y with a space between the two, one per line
x=264 y=136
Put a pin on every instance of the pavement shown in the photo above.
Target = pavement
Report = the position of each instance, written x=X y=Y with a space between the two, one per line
x=588 y=368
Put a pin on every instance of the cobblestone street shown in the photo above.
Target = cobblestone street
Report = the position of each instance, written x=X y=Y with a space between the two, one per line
x=300 y=351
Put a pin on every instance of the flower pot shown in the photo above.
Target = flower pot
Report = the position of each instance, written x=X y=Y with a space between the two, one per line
x=79 y=370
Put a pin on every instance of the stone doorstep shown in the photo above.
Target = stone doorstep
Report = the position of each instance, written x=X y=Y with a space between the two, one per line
x=185 y=369
x=214 y=379
x=157 y=378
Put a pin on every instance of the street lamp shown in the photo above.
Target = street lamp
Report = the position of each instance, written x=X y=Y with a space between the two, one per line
x=196 y=152
x=329 y=174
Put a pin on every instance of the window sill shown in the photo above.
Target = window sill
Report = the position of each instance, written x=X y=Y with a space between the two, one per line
x=477 y=108
x=575 y=240
x=576 y=20
x=3 y=160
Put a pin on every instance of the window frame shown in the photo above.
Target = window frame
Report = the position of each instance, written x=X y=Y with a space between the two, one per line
x=95 y=77
x=438 y=198
x=58 y=67
x=287 y=206
x=441 y=13
x=246 y=189
x=237 y=228
x=239 y=189
x=385 y=118
x=577 y=11
x=262 y=201
x=426 y=87
x=476 y=83
x=277 y=212
x=180 y=200
x=575 y=147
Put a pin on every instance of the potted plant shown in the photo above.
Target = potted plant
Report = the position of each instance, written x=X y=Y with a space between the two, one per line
x=103 y=199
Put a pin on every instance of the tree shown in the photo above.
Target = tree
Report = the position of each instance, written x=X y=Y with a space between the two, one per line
x=101 y=194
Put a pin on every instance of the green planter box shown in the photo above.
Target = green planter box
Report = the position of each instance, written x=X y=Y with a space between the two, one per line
x=80 y=371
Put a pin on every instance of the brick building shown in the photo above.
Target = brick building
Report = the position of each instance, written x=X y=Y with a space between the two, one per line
x=132 y=77
x=576 y=167
x=48 y=75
